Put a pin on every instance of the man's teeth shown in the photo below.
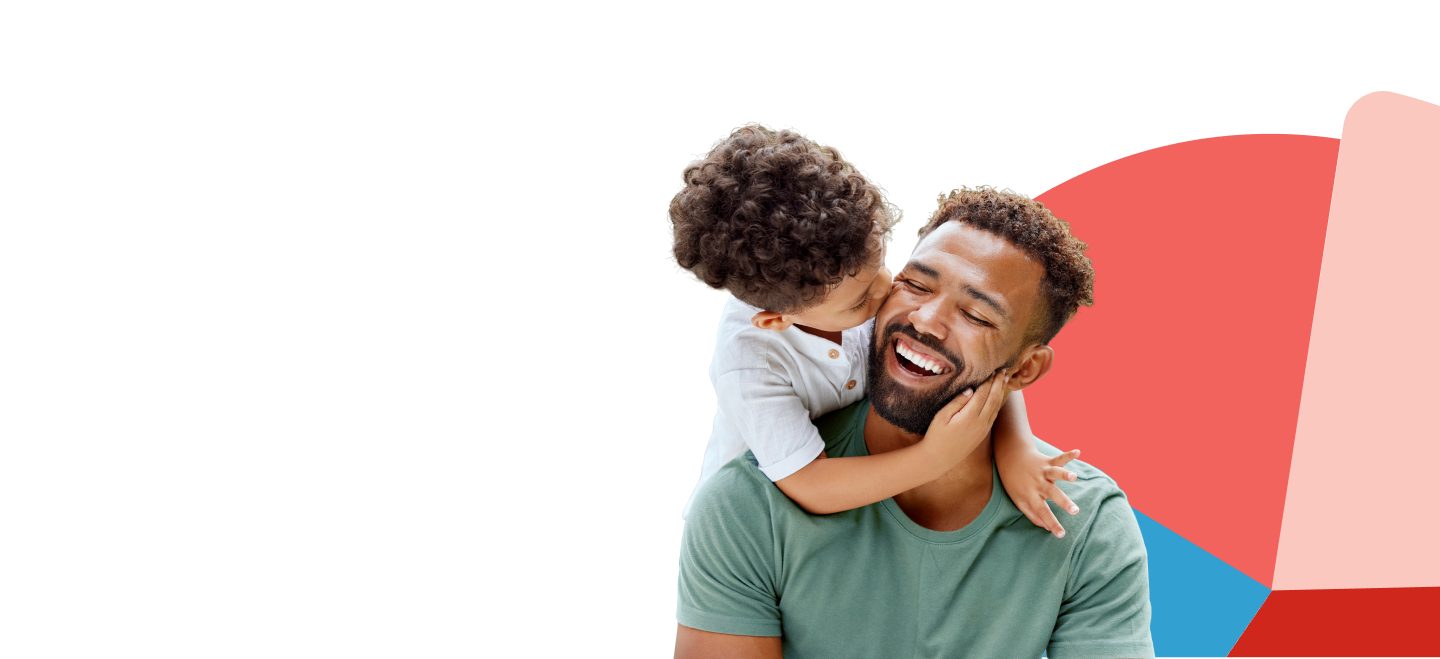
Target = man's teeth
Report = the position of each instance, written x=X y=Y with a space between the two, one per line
x=919 y=359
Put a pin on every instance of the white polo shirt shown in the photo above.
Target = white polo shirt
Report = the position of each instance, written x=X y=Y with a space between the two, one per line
x=770 y=385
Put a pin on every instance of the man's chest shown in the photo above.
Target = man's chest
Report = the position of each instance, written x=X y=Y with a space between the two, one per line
x=892 y=595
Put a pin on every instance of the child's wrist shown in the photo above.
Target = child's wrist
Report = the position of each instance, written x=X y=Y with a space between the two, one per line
x=1002 y=446
x=933 y=455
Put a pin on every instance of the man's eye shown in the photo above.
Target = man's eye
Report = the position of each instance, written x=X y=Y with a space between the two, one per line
x=915 y=286
x=976 y=319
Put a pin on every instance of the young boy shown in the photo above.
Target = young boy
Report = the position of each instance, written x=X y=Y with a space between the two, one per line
x=797 y=235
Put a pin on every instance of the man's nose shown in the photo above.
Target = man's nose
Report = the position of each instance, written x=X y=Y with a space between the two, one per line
x=926 y=319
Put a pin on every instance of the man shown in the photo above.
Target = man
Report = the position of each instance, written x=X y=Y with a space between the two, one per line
x=950 y=568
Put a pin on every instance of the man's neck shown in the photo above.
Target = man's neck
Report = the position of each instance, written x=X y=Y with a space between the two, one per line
x=948 y=502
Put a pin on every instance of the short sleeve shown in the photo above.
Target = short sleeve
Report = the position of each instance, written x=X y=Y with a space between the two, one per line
x=772 y=419
x=727 y=557
x=1106 y=611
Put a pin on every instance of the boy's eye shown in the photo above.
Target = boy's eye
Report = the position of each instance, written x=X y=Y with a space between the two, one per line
x=862 y=304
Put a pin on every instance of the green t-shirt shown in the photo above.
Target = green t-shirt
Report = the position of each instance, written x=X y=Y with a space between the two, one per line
x=872 y=583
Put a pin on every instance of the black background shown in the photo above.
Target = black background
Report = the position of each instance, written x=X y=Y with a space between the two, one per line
x=1021 y=137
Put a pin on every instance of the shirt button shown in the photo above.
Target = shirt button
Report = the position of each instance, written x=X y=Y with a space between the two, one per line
x=834 y=354
x=850 y=384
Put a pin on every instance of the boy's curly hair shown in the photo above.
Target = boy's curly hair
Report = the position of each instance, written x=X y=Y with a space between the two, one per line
x=777 y=219
x=1069 y=279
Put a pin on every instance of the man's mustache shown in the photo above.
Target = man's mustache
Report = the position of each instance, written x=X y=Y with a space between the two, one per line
x=899 y=327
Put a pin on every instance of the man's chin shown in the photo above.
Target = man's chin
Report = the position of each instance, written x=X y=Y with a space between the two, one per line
x=910 y=407
x=899 y=416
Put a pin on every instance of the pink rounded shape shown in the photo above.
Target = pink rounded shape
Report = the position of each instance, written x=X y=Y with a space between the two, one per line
x=1358 y=507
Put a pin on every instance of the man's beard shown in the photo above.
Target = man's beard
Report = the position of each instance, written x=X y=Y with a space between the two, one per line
x=910 y=410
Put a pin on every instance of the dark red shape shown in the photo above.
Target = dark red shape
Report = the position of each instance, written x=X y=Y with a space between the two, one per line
x=1355 y=622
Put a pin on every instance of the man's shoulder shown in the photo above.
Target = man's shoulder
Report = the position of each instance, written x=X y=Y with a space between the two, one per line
x=1106 y=605
x=738 y=489
x=1103 y=504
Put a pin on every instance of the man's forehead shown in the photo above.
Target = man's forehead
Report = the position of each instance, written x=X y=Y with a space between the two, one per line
x=959 y=239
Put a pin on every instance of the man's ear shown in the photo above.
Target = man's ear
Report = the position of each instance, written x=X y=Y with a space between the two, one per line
x=1033 y=364
x=769 y=320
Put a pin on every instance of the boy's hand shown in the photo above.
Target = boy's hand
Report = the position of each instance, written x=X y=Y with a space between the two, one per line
x=963 y=423
x=1030 y=479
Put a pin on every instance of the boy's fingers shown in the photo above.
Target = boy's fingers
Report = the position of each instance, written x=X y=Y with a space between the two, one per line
x=1042 y=517
x=1063 y=501
x=976 y=401
x=1063 y=458
x=1053 y=474
x=1024 y=510
x=978 y=404
x=955 y=405
x=994 y=396
x=1030 y=514
x=1051 y=524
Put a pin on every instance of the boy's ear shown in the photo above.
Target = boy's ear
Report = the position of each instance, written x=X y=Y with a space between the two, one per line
x=1033 y=364
x=769 y=320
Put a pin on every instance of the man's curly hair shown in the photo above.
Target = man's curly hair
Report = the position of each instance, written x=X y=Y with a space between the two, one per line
x=1069 y=279
x=777 y=219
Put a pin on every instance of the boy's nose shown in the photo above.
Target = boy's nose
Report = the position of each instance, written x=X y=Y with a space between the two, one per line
x=885 y=277
x=887 y=284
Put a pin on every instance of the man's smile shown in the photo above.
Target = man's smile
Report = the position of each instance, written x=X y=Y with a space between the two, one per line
x=918 y=361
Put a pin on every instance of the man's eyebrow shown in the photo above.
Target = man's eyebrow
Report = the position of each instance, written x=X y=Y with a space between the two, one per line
x=924 y=269
x=971 y=290
x=975 y=293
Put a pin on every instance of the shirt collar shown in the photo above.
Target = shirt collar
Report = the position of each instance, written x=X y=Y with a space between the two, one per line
x=803 y=342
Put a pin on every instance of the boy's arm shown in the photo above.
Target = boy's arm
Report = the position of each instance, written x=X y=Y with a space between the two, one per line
x=831 y=485
x=771 y=418
x=1027 y=474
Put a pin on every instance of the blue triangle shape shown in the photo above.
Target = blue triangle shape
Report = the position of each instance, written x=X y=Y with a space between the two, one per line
x=1199 y=605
